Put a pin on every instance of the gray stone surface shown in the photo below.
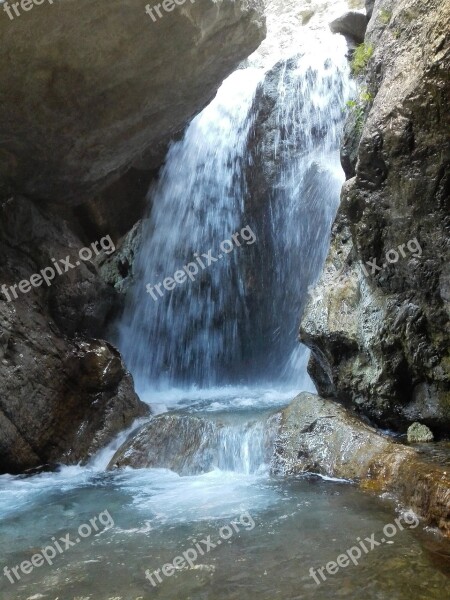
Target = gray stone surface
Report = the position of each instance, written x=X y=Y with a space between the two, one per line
x=380 y=336
x=352 y=25
x=89 y=88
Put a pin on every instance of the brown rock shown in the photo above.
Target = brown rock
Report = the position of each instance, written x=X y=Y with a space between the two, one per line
x=60 y=399
x=320 y=436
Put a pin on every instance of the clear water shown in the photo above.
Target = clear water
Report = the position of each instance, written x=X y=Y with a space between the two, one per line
x=157 y=516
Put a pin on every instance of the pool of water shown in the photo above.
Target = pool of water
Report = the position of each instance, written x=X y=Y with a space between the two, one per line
x=151 y=516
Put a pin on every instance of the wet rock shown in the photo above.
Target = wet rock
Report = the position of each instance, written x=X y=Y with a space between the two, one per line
x=320 y=436
x=61 y=399
x=190 y=445
x=352 y=26
x=117 y=270
x=285 y=125
x=88 y=90
x=98 y=366
x=183 y=444
x=419 y=433
x=379 y=334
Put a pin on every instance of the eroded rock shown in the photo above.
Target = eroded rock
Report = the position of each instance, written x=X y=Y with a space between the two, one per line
x=89 y=89
x=319 y=436
x=190 y=445
x=183 y=444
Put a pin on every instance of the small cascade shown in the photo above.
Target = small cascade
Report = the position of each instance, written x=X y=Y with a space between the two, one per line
x=190 y=445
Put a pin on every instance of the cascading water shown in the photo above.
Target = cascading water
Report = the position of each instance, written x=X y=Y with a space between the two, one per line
x=192 y=333
x=236 y=323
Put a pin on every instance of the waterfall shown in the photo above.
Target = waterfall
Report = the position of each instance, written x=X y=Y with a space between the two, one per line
x=235 y=321
x=192 y=333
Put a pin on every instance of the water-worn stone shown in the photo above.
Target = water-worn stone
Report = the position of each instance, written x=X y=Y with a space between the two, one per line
x=379 y=332
x=89 y=88
x=320 y=436
x=181 y=443
x=417 y=432
x=190 y=445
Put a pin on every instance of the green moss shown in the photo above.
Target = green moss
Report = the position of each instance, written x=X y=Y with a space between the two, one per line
x=361 y=57
x=385 y=16
x=356 y=4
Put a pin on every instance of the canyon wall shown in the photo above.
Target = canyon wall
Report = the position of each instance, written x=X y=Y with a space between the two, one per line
x=378 y=320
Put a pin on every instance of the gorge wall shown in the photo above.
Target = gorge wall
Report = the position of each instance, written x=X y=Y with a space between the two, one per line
x=92 y=94
x=379 y=331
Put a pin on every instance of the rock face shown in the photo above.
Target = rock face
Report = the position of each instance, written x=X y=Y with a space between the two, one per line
x=91 y=97
x=88 y=89
x=379 y=331
x=352 y=25
x=317 y=435
x=61 y=398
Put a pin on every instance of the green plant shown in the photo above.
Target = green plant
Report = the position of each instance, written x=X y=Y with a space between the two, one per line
x=385 y=16
x=361 y=57
x=358 y=108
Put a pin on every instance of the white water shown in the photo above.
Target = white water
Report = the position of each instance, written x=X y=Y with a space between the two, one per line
x=199 y=335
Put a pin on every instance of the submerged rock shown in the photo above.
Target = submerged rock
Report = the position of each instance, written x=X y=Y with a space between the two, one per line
x=319 y=436
x=419 y=433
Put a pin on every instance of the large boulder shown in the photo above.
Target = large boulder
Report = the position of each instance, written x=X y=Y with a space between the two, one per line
x=61 y=398
x=90 y=88
x=190 y=444
x=181 y=443
x=379 y=331
x=319 y=436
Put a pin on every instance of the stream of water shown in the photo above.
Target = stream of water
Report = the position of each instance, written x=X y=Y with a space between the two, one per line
x=202 y=349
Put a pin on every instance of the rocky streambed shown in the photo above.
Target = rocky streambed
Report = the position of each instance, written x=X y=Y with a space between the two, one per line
x=311 y=436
